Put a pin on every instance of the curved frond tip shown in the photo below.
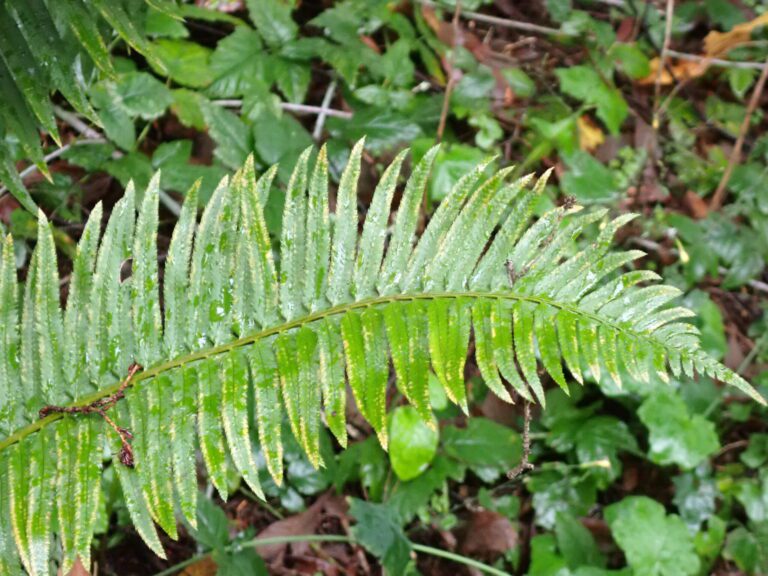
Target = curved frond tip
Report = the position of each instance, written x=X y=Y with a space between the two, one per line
x=244 y=338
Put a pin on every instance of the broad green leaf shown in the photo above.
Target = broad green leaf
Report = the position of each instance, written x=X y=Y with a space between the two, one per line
x=381 y=534
x=183 y=61
x=487 y=448
x=676 y=436
x=413 y=443
x=141 y=94
x=655 y=544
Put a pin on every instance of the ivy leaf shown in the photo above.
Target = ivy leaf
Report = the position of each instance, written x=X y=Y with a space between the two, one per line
x=487 y=448
x=554 y=493
x=161 y=24
x=141 y=94
x=185 y=62
x=451 y=163
x=748 y=548
x=117 y=124
x=594 y=438
x=586 y=85
x=212 y=525
x=588 y=179
x=753 y=495
x=408 y=497
x=413 y=443
x=631 y=60
x=576 y=543
x=655 y=544
x=243 y=561
x=709 y=322
x=675 y=436
x=280 y=140
x=695 y=494
x=273 y=20
x=379 y=531
x=233 y=138
x=237 y=63
x=382 y=129
x=292 y=78
x=187 y=105
x=756 y=454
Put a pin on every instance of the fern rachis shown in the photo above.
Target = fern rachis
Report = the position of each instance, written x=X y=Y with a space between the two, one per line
x=336 y=307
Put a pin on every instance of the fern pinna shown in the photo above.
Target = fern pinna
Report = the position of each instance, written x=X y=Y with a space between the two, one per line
x=241 y=339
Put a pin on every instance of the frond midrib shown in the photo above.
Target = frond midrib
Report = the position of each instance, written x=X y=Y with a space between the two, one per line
x=340 y=309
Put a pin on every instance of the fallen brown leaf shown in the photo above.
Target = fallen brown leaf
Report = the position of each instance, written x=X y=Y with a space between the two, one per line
x=306 y=522
x=488 y=535
x=696 y=205
x=77 y=569
x=203 y=567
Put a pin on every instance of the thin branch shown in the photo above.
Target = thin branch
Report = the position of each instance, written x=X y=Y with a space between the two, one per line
x=72 y=119
x=100 y=407
x=32 y=168
x=525 y=463
x=289 y=107
x=323 y=114
x=256 y=542
x=332 y=312
x=716 y=61
x=503 y=22
x=457 y=41
x=662 y=59
x=652 y=246
x=719 y=196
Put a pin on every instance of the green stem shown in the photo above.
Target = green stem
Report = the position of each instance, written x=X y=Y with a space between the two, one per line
x=334 y=538
x=340 y=309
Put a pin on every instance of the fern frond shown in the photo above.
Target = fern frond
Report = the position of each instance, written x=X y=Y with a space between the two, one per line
x=42 y=48
x=239 y=323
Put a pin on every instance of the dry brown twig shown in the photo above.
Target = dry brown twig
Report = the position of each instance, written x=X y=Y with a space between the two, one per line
x=100 y=407
x=733 y=160
x=670 y=11
x=457 y=41
x=525 y=463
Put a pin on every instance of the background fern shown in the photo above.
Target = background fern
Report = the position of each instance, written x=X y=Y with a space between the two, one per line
x=242 y=336
x=55 y=46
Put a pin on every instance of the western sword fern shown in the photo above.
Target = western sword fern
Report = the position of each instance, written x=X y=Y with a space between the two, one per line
x=236 y=324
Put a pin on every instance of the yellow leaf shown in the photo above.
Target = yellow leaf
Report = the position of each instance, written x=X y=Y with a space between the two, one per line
x=719 y=43
x=674 y=71
x=590 y=135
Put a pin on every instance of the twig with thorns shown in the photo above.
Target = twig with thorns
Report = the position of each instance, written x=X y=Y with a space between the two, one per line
x=100 y=407
x=525 y=463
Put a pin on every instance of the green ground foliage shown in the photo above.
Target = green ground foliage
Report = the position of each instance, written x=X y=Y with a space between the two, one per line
x=118 y=122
